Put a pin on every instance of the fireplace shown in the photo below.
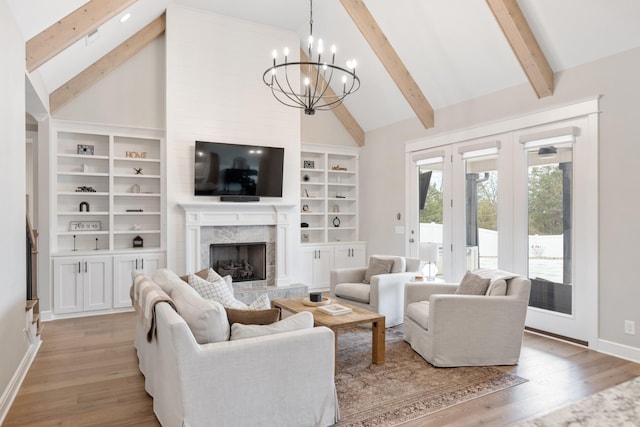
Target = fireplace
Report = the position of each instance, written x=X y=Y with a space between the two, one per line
x=209 y=223
x=242 y=261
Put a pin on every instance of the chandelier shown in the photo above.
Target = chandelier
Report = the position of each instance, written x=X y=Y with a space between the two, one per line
x=315 y=93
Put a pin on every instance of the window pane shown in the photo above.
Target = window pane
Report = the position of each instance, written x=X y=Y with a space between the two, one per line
x=482 y=212
x=430 y=208
x=550 y=230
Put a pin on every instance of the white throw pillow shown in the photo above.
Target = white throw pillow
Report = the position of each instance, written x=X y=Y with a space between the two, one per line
x=167 y=280
x=302 y=320
x=216 y=290
x=207 y=319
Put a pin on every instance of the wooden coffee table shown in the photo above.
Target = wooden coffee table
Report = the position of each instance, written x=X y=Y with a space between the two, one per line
x=335 y=323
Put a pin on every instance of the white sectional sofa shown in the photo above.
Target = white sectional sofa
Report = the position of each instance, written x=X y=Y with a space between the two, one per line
x=283 y=379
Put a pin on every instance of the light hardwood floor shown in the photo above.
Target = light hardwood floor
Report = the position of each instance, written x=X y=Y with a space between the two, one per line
x=86 y=373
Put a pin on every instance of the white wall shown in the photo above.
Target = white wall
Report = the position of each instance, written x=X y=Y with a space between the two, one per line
x=215 y=93
x=325 y=128
x=131 y=95
x=13 y=214
x=615 y=78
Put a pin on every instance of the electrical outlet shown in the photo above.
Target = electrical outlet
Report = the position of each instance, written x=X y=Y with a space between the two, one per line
x=629 y=327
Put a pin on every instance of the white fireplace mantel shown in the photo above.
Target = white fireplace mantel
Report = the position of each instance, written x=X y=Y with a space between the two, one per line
x=212 y=214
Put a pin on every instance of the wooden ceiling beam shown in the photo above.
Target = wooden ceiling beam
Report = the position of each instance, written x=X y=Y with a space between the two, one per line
x=106 y=64
x=73 y=27
x=387 y=55
x=341 y=111
x=524 y=45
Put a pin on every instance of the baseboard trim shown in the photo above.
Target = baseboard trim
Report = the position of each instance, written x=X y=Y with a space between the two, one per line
x=619 y=350
x=12 y=389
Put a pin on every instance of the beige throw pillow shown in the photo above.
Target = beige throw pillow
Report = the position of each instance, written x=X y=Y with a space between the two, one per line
x=472 y=284
x=206 y=319
x=377 y=266
x=497 y=288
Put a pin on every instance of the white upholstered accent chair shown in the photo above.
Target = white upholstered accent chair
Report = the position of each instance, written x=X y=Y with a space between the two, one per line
x=383 y=294
x=449 y=329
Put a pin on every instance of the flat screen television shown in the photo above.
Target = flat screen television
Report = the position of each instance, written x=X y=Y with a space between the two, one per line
x=237 y=170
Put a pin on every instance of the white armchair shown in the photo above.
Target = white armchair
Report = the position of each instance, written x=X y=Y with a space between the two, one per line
x=384 y=294
x=449 y=329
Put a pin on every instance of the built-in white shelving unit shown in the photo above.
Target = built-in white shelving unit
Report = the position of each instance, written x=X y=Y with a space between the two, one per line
x=108 y=201
x=329 y=209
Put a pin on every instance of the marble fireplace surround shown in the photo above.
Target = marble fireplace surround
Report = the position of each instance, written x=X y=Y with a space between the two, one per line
x=279 y=217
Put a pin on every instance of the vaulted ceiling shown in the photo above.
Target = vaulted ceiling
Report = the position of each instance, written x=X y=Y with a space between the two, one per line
x=414 y=56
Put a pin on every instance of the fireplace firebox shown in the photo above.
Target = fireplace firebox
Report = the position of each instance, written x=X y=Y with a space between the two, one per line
x=242 y=261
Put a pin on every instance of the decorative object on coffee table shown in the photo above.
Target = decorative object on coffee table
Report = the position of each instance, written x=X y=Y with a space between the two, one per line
x=325 y=300
x=335 y=309
x=315 y=296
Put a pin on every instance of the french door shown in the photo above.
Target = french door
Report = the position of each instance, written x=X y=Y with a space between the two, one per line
x=523 y=201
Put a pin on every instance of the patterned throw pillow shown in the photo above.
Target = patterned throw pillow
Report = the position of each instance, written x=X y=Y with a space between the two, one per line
x=216 y=290
x=261 y=303
x=472 y=284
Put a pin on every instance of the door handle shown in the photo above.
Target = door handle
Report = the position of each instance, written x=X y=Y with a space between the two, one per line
x=79 y=267
x=136 y=263
x=142 y=262
x=85 y=266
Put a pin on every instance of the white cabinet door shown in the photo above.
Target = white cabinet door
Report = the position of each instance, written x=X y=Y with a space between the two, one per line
x=97 y=282
x=307 y=261
x=124 y=265
x=323 y=265
x=67 y=285
x=350 y=255
x=316 y=263
x=82 y=284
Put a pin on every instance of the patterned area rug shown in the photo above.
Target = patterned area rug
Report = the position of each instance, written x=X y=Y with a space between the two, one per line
x=618 y=406
x=405 y=387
